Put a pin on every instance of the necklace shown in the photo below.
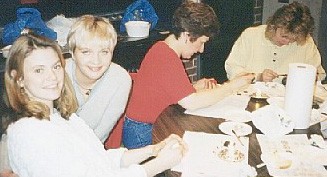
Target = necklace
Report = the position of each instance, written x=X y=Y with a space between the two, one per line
x=88 y=91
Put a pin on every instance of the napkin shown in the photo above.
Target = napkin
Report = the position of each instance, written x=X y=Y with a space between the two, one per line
x=230 y=108
x=304 y=162
x=320 y=90
x=202 y=157
x=317 y=115
x=272 y=121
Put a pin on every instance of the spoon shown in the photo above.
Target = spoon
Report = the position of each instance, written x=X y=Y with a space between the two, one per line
x=237 y=137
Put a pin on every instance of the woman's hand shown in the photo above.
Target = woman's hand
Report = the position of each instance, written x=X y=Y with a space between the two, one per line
x=169 y=153
x=7 y=173
x=205 y=83
x=268 y=75
x=173 y=151
x=159 y=146
x=241 y=81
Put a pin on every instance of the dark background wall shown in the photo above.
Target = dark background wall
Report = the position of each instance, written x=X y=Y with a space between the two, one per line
x=234 y=17
x=70 y=8
x=322 y=37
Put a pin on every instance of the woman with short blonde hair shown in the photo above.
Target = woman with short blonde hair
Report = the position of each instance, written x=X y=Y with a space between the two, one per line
x=102 y=87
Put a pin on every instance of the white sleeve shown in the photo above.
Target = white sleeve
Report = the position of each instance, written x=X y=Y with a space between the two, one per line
x=116 y=155
x=37 y=149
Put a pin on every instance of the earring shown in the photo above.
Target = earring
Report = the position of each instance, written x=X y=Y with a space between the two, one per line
x=21 y=85
x=22 y=90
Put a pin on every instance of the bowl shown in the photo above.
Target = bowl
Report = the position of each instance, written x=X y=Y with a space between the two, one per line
x=137 y=28
x=5 y=51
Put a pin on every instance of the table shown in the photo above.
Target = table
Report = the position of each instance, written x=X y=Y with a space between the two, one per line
x=173 y=120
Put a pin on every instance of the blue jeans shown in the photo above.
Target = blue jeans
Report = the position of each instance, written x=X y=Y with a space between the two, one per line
x=136 y=134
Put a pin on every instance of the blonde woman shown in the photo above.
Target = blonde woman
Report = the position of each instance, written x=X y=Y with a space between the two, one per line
x=101 y=86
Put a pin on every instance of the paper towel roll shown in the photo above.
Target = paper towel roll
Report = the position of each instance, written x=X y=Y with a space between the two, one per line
x=299 y=93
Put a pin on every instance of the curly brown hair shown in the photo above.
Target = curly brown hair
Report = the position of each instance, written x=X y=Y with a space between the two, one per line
x=198 y=19
x=294 y=18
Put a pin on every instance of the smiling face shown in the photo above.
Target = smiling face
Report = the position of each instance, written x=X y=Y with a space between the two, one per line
x=43 y=75
x=92 y=41
x=192 y=48
x=92 y=60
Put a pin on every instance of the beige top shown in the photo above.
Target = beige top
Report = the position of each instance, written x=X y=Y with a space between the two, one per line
x=252 y=53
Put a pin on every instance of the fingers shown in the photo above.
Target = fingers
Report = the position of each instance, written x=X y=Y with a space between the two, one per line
x=210 y=83
x=174 y=141
x=268 y=75
x=178 y=148
x=249 y=77
x=173 y=137
x=242 y=80
x=213 y=81
x=7 y=173
x=159 y=146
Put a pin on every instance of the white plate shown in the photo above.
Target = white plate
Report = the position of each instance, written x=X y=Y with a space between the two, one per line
x=241 y=129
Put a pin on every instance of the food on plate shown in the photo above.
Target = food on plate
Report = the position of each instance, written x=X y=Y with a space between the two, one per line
x=229 y=152
x=285 y=120
x=284 y=164
x=259 y=95
x=232 y=155
x=281 y=159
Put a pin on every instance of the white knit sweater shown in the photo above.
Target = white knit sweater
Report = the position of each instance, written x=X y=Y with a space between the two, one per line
x=61 y=148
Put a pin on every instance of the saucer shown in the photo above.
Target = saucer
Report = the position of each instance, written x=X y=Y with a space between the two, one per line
x=241 y=129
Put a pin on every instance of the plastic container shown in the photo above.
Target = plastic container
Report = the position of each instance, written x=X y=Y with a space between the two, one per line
x=5 y=51
x=137 y=28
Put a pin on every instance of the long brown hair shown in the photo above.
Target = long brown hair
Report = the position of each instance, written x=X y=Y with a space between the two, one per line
x=19 y=101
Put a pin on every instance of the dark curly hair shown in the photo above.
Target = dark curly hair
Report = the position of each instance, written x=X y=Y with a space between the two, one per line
x=294 y=18
x=198 y=19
